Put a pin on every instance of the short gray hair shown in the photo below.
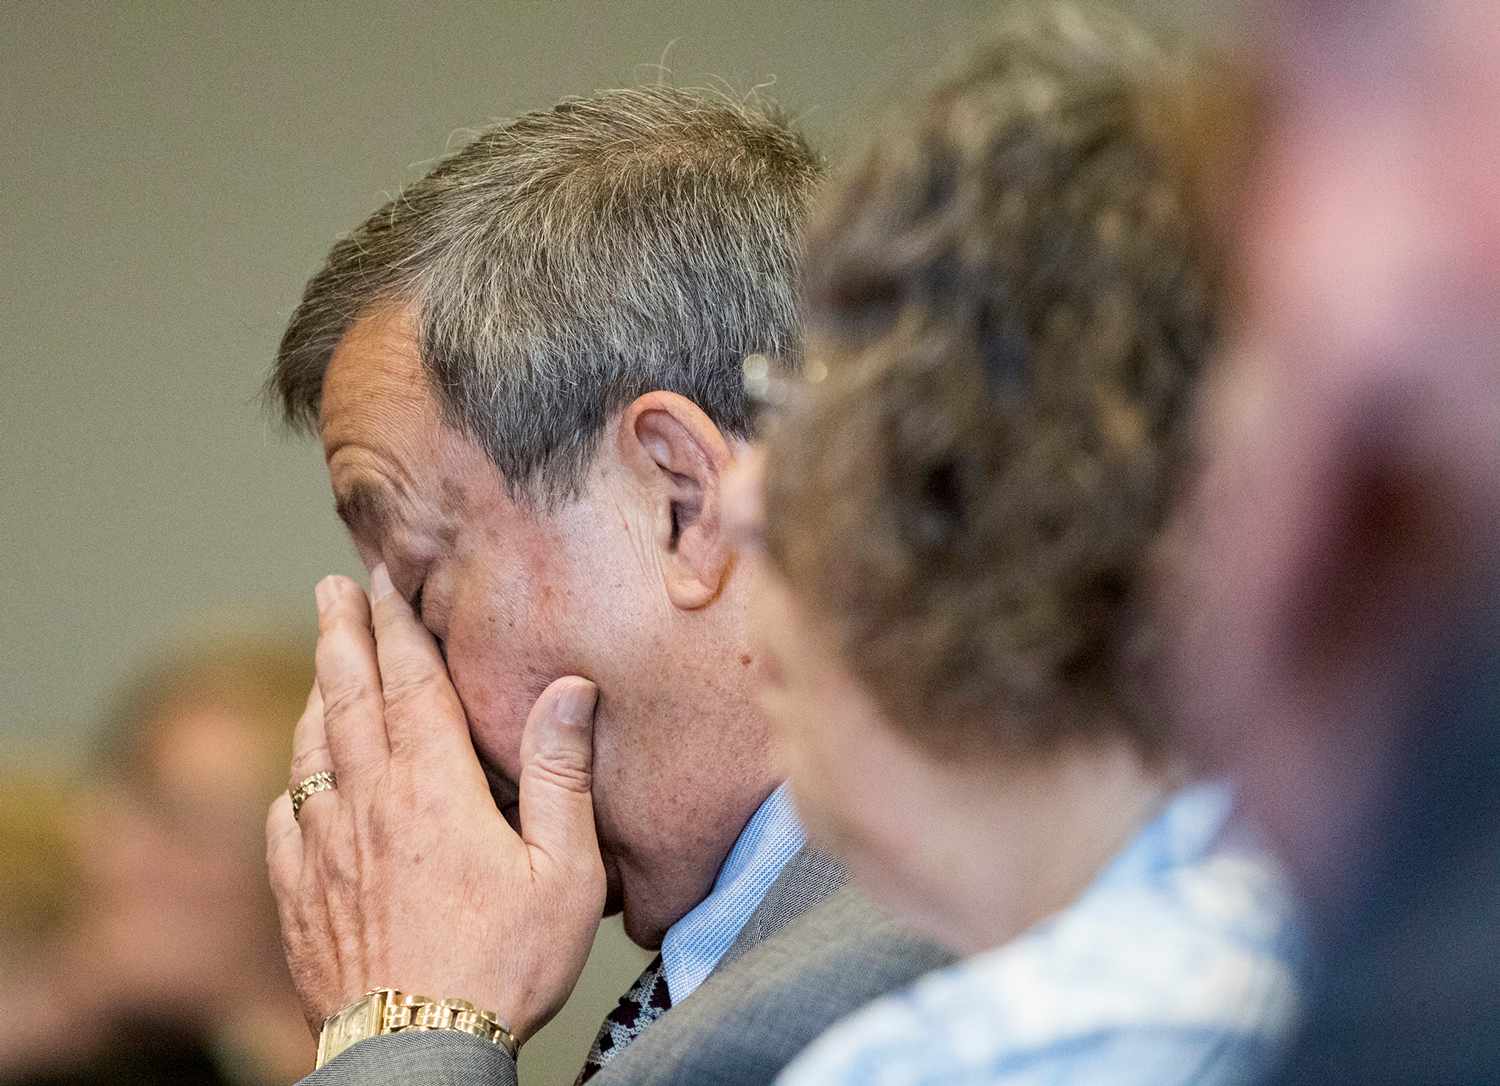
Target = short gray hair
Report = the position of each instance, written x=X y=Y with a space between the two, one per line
x=569 y=261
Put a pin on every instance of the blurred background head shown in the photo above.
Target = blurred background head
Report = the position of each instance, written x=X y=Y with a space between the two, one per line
x=136 y=897
x=191 y=757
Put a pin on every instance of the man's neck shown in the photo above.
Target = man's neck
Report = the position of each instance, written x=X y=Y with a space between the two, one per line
x=693 y=947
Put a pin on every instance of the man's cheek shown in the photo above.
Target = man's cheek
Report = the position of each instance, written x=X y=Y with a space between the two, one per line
x=488 y=706
x=499 y=748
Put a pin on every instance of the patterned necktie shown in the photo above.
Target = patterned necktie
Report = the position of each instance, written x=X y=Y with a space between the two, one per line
x=647 y=1000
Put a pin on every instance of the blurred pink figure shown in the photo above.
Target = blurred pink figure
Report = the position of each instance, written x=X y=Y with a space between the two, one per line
x=1335 y=579
x=1352 y=493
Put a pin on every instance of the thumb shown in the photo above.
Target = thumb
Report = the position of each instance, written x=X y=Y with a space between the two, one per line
x=557 y=773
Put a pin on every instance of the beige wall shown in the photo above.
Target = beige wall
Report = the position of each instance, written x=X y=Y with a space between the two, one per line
x=171 y=173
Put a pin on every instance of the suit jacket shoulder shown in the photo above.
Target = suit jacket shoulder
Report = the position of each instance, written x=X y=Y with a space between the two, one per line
x=809 y=878
x=759 y=1011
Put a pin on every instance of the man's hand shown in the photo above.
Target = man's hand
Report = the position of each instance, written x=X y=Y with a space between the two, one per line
x=406 y=875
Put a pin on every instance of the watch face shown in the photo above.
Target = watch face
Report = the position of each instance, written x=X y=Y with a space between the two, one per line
x=355 y=1022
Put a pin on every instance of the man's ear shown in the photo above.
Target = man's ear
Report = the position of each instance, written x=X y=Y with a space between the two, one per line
x=678 y=457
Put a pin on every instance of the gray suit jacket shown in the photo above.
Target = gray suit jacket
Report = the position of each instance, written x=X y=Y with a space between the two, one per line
x=812 y=952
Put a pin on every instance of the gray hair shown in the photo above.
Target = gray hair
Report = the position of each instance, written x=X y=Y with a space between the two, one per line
x=565 y=263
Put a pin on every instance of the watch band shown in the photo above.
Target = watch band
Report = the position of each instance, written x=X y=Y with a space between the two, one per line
x=386 y=1010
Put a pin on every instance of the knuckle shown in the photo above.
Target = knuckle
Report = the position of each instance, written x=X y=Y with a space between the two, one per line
x=372 y=838
x=347 y=697
x=565 y=769
x=307 y=762
x=405 y=687
x=415 y=801
x=371 y=834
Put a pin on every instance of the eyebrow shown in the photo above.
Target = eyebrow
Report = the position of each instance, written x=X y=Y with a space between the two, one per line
x=363 y=507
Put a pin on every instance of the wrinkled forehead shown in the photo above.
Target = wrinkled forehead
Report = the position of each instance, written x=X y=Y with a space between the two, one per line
x=393 y=463
x=374 y=381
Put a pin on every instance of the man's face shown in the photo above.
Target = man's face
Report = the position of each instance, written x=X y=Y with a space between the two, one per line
x=517 y=598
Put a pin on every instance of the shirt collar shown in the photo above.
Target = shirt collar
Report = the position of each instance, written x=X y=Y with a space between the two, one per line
x=1183 y=829
x=694 y=945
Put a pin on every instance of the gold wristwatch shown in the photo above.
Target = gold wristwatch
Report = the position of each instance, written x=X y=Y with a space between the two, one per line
x=385 y=1010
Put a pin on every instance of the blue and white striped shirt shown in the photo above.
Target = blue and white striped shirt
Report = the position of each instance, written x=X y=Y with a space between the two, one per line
x=694 y=945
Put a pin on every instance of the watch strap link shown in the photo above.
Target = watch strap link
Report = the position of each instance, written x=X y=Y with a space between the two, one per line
x=414 y=1012
x=385 y=1011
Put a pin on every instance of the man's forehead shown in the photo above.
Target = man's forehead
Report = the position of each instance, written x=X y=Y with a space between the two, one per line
x=374 y=378
x=393 y=462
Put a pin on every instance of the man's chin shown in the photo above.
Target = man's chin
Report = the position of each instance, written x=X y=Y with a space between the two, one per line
x=642 y=926
x=644 y=932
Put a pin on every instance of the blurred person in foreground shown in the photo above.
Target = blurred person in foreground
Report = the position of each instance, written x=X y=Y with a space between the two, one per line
x=168 y=956
x=1336 y=584
x=1013 y=302
x=525 y=373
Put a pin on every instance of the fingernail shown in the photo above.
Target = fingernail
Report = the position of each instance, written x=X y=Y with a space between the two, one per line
x=575 y=705
x=323 y=594
x=380 y=583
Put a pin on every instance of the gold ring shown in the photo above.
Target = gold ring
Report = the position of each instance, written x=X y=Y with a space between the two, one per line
x=321 y=781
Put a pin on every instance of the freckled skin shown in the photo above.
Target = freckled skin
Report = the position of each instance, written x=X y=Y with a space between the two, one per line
x=520 y=598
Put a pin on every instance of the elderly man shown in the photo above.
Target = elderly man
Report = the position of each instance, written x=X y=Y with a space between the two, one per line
x=525 y=373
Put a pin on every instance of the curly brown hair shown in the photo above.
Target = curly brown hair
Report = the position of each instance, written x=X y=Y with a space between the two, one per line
x=1013 y=303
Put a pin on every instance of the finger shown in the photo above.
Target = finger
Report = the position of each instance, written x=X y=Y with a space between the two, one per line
x=423 y=714
x=283 y=848
x=309 y=741
x=349 y=680
x=284 y=869
x=309 y=756
x=557 y=774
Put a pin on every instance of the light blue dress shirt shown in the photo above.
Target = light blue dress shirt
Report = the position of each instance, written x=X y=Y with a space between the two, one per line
x=694 y=945
x=1176 y=966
